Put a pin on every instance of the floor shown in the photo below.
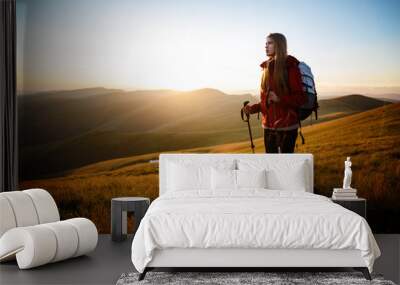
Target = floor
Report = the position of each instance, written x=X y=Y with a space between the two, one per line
x=111 y=259
x=103 y=266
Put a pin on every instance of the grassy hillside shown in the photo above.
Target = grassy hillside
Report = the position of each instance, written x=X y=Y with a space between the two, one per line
x=64 y=130
x=346 y=105
x=371 y=138
x=64 y=114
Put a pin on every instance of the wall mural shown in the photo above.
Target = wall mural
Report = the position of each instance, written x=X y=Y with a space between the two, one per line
x=104 y=87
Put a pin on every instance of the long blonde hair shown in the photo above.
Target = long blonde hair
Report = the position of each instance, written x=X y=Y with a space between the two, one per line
x=279 y=65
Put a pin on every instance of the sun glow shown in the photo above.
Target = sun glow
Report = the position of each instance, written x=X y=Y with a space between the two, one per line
x=163 y=45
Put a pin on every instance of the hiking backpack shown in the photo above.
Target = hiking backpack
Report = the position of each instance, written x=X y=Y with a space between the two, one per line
x=307 y=79
x=306 y=109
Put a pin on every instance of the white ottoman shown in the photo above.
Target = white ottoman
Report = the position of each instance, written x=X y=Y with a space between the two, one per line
x=31 y=230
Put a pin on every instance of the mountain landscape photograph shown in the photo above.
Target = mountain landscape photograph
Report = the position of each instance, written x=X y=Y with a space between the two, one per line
x=87 y=146
x=100 y=99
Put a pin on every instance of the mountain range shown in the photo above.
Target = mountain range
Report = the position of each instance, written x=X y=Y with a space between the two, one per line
x=68 y=129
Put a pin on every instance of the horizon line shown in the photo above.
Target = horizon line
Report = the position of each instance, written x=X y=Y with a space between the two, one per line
x=253 y=92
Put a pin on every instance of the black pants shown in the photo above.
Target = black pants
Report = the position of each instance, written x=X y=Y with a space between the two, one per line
x=285 y=139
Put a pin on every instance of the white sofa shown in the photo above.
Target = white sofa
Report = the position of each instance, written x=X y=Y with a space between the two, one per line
x=31 y=231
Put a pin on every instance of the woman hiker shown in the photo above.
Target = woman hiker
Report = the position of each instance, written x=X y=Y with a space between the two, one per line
x=281 y=94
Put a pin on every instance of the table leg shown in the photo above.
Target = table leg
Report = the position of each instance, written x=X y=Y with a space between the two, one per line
x=124 y=222
x=116 y=222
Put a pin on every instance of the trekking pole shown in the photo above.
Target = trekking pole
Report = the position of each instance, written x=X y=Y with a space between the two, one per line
x=248 y=123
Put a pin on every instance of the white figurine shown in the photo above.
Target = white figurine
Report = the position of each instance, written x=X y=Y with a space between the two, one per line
x=347 y=174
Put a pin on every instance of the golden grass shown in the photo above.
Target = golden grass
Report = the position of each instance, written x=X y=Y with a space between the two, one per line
x=371 y=138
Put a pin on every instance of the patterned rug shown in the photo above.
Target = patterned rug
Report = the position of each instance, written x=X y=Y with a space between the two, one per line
x=230 y=278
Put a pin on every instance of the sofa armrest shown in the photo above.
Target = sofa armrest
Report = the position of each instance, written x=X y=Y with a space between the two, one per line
x=44 y=243
x=32 y=246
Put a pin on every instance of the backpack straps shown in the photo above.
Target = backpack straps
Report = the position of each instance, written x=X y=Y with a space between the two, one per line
x=316 y=110
x=301 y=134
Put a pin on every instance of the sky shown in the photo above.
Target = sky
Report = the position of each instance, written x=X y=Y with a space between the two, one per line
x=350 y=45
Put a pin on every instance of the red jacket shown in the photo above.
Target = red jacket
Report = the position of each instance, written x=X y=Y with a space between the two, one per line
x=283 y=113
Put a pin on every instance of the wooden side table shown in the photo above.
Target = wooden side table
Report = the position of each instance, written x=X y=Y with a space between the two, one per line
x=358 y=205
x=119 y=208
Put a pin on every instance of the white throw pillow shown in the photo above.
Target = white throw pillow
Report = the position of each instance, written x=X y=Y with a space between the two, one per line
x=291 y=178
x=183 y=177
x=223 y=179
x=228 y=179
x=187 y=174
x=289 y=175
x=251 y=178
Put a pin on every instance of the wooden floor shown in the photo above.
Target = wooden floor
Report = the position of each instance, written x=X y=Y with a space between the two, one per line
x=111 y=259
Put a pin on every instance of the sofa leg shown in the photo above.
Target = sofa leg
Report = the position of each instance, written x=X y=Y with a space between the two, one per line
x=364 y=271
x=143 y=274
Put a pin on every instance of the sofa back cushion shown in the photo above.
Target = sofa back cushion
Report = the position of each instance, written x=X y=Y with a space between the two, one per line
x=26 y=208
